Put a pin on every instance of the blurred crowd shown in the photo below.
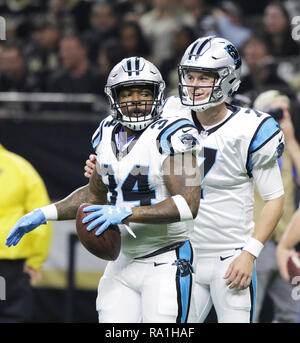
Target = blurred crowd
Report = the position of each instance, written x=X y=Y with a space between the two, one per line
x=69 y=46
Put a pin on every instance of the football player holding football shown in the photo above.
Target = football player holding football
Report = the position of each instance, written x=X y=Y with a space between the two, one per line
x=146 y=181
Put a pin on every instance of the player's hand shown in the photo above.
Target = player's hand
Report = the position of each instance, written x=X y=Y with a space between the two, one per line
x=104 y=216
x=90 y=166
x=24 y=225
x=282 y=255
x=239 y=272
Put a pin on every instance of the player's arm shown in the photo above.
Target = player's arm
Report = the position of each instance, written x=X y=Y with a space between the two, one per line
x=95 y=193
x=178 y=176
x=270 y=187
x=66 y=209
x=266 y=147
x=286 y=245
x=182 y=179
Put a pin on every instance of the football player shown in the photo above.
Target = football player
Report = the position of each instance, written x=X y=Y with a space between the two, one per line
x=240 y=148
x=146 y=181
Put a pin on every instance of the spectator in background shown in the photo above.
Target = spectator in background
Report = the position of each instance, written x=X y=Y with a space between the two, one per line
x=42 y=52
x=199 y=17
x=181 y=39
x=252 y=8
x=110 y=53
x=133 y=41
x=72 y=15
x=77 y=75
x=22 y=190
x=259 y=70
x=277 y=31
x=159 y=25
x=14 y=74
x=103 y=27
x=20 y=16
x=133 y=9
x=229 y=23
x=269 y=280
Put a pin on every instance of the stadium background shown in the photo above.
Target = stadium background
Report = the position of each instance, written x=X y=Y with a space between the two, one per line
x=50 y=122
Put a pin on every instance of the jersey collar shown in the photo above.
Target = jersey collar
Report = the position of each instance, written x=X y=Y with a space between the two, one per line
x=201 y=129
x=128 y=147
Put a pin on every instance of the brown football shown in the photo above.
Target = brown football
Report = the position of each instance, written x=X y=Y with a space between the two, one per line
x=294 y=266
x=105 y=246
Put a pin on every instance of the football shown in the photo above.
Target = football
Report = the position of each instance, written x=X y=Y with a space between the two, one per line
x=294 y=266
x=105 y=246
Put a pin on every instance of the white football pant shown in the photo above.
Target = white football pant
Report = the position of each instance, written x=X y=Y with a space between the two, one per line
x=231 y=305
x=149 y=290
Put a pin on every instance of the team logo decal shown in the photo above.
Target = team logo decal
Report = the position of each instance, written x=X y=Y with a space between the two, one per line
x=234 y=54
x=188 y=140
x=280 y=149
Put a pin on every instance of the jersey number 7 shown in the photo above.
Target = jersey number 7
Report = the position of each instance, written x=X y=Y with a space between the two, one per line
x=206 y=162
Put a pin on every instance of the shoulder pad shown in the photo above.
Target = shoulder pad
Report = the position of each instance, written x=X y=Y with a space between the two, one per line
x=266 y=146
x=267 y=129
x=97 y=136
x=173 y=107
x=181 y=128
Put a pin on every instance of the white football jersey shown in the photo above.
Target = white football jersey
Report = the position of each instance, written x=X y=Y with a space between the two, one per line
x=245 y=141
x=132 y=172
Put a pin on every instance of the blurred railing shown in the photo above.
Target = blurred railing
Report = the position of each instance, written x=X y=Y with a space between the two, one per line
x=49 y=97
x=52 y=106
x=56 y=141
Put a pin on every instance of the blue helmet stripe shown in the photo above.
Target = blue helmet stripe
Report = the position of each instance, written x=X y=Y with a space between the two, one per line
x=203 y=45
x=200 y=48
x=129 y=67
x=137 y=66
x=192 y=50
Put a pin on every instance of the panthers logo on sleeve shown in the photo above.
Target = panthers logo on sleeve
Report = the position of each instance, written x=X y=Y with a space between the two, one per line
x=280 y=146
x=188 y=140
x=179 y=136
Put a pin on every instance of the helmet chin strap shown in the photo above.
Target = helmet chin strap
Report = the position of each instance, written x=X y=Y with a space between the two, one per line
x=204 y=107
x=136 y=126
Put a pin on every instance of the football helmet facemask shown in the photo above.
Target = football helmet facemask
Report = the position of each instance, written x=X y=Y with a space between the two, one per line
x=135 y=72
x=216 y=56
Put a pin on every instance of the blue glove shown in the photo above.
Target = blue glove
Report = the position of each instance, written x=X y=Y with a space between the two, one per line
x=24 y=225
x=106 y=215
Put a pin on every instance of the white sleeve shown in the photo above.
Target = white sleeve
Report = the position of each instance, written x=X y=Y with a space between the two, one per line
x=185 y=139
x=178 y=137
x=266 y=146
x=268 y=181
